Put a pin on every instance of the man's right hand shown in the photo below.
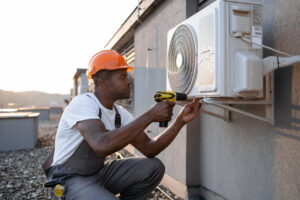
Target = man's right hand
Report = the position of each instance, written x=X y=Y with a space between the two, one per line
x=161 y=111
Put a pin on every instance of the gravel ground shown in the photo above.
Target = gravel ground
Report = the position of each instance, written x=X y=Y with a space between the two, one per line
x=21 y=176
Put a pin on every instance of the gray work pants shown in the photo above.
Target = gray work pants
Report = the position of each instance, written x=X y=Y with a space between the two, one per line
x=133 y=178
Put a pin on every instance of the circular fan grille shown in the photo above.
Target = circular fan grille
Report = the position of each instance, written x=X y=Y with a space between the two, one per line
x=182 y=60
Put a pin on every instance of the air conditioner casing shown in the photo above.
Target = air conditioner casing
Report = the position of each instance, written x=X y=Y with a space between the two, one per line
x=225 y=66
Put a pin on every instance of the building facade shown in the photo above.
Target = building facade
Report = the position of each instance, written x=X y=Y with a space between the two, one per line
x=238 y=159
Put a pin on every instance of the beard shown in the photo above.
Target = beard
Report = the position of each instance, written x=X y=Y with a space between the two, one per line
x=121 y=94
x=124 y=95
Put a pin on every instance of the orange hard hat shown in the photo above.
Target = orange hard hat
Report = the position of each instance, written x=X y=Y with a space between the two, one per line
x=107 y=59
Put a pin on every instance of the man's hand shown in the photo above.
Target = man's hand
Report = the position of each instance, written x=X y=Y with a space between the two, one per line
x=190 y=111
x=152 y=147
x=162 y=111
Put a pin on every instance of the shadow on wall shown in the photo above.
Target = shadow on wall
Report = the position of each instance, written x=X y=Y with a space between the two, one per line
x=285 y=28
x=287 y=80
x=287 y=113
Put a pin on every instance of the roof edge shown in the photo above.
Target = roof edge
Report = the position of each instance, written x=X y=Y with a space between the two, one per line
x=132 y=21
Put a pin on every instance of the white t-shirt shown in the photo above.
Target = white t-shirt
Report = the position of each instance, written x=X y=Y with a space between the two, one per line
x=82 y=107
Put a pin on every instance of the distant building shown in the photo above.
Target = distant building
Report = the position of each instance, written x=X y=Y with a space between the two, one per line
x=80 y=84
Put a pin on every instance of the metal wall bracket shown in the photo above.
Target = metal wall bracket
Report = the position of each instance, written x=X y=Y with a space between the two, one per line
x=225 y=104
x=228 y=108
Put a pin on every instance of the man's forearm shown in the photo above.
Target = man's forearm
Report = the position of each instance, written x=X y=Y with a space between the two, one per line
x=160 y=142
x=115 y=140
x=105 y=142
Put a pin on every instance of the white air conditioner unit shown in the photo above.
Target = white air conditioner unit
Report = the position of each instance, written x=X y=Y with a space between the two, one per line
x=206 y=59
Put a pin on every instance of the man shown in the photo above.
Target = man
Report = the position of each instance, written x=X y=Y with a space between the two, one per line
x=93 y=127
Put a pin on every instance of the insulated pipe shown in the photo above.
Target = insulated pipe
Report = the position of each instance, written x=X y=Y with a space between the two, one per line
x=274 y=62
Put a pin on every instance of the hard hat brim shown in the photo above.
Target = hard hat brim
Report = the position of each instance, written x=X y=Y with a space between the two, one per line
x=123 y=67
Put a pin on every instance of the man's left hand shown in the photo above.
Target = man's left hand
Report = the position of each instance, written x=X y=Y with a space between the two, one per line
x=190 y=111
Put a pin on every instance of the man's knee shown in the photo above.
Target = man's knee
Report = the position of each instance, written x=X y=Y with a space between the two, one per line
x=159 y=165
x=157 y=168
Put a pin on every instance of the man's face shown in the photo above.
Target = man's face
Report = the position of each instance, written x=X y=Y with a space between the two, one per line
x=120 y=84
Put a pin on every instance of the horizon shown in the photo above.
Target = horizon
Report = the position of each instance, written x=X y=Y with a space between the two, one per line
x=32 y=91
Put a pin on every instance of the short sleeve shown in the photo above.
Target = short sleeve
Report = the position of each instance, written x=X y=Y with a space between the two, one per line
x=81 y=108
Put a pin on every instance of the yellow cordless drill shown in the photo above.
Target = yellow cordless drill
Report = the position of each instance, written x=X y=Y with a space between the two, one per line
x=168 y=96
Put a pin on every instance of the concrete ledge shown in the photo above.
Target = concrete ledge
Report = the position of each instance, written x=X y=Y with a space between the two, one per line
x=18 y=115
x=8 y=110
x=56 y=110
x=175 y=186
x=44 y=111
x=205 y=193
x=130 y=149
x=18 y=131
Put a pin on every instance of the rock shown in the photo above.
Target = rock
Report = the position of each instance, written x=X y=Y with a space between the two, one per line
x=33 y=195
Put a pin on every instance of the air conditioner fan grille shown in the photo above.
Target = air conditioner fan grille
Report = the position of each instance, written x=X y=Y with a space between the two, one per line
x=182 y=60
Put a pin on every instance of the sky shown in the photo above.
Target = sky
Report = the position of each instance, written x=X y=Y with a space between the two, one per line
x=42 y=42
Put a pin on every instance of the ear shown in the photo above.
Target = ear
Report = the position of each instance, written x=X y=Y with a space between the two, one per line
x=103 y=83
